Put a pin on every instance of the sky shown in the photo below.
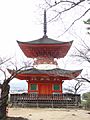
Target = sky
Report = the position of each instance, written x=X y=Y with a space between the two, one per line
x=14 y=18
x=22 y=20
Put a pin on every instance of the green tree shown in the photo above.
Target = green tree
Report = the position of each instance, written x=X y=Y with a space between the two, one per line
x=87 y=22
x=86 y=97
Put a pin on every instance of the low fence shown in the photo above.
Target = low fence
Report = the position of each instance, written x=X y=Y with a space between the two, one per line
x=35 y=100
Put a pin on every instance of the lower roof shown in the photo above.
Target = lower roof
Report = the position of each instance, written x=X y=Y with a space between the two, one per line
x=33 y=72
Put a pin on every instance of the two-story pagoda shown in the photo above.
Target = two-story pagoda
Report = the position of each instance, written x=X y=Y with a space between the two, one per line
x=45 y=77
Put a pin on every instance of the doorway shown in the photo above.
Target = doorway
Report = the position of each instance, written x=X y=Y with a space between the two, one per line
x=45 y=88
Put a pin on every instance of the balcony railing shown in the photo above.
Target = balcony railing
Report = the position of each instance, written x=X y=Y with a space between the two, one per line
x=52 y=100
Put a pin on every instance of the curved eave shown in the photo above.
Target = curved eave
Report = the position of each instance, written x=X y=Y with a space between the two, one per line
x=60 y=73
x=35 y=50
x=44 y=42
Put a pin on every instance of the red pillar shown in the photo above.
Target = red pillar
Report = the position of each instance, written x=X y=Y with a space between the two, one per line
x=61 y=86
x=28 y=86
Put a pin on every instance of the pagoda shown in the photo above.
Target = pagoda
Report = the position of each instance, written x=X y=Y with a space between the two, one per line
x=45 y=77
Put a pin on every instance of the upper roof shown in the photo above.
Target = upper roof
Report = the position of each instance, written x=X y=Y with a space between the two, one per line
x=45 y=46
x=44 y=40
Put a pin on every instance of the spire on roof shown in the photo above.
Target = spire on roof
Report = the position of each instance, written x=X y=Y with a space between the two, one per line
x=45 y=23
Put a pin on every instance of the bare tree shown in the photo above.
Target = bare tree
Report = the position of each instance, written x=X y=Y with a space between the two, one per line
x=83 y=55
x=74 y=88
x=61 y=9
x=62 y=6
x=4 y=86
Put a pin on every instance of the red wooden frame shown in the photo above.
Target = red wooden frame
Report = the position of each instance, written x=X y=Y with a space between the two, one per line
x=45 y=87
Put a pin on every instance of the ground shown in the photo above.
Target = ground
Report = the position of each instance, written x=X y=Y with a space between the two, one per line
x=47 y=114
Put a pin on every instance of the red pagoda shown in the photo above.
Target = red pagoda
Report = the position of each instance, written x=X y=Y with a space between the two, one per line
x=45 y=77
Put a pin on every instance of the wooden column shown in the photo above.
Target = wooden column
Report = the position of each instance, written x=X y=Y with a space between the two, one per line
x=28 y=86
x=61 y=86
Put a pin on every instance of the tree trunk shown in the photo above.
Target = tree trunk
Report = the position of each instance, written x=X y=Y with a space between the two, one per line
x=3 y=100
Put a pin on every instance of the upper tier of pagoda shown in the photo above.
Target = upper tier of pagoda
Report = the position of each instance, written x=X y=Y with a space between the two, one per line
x=45 y=46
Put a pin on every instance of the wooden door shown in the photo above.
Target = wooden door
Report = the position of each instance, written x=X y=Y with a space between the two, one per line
x=45 y=88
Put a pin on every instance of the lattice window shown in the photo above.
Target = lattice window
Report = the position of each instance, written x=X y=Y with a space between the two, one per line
x=33 y=87
x=56 y=87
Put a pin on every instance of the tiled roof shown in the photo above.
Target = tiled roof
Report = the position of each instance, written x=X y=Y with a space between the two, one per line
x=56 y=71
x=44 y=40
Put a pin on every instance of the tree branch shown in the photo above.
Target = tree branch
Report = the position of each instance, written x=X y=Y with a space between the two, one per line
x=85 y=79
x=74 y=22
x=73 y=4
x=70 y=4
x=3 y=61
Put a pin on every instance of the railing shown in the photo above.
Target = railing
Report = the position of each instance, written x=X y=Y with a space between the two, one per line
x=35 y=100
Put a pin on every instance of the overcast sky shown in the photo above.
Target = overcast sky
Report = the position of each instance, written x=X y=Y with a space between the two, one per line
x=21 y=20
